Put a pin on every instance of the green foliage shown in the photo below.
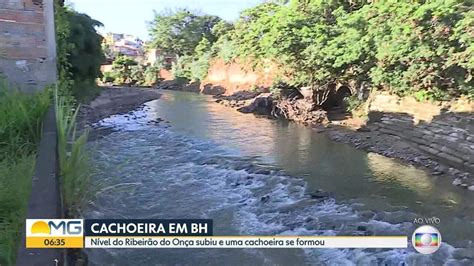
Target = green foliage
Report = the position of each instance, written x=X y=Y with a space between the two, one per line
x=181 y=31
x=137 y=75
x=190 y=36
x=351 y=103
x=198 y=68
x=73 y=157
x=20 y=121
x=20 y=131
x=79 y=52
x=122 y=67
x=87 y=55
x=202 y=55
x=15 y=187
x=85 y=90
x=127 y=71
x=194 y=67
x=225 y=49
x=63 y=47
x=109 y=77
x=180 y=68
x=221 y=28
x=424 y=47
x=415 y=47
x=151 y=73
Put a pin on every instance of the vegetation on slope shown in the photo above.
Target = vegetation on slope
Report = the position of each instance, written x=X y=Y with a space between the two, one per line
x=421 y=48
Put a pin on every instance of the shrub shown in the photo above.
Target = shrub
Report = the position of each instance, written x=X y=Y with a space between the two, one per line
x=352 y=103
x=180 y=68
x=79 y=52
x=122 y=68
x=109 y=77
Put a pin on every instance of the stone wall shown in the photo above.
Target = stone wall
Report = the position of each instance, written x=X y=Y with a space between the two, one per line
x=444 y=131
x=27 y=43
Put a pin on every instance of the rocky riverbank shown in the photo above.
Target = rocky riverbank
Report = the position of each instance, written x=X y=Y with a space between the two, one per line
x=361 y=135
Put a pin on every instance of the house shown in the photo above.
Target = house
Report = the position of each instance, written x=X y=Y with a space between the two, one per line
x=123 y=44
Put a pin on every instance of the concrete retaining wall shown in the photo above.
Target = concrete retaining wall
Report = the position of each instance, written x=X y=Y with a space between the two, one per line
x=27 y=43
x=443 y=131
x=45 y=199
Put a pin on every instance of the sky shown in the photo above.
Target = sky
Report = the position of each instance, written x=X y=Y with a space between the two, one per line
x=131 y=16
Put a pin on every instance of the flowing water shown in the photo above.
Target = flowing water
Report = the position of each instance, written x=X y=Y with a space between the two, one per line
x=257 y=176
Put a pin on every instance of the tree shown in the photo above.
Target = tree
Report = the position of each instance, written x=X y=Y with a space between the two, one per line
x=87 y=55
x=79 y=51
x=122 y=66
x=181 y=31
x=422 y=48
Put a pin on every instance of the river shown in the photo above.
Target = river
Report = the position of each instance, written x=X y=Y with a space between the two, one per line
x=258 y=176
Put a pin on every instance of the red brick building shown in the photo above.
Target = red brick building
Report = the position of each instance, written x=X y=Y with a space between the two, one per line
x=27 y=43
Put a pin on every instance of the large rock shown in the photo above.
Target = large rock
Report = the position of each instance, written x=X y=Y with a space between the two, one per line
x=262 y=104
x=212 y=89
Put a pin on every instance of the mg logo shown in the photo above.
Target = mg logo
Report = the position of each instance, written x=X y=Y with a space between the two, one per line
x=55 y=227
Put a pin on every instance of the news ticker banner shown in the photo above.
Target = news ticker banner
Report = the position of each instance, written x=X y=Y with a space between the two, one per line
x=177 y=233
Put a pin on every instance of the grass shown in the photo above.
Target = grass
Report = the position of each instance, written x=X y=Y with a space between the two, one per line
x=73 y=157
x=15 y=180
x=20 y=130
x=20 y=121
x=21 y=118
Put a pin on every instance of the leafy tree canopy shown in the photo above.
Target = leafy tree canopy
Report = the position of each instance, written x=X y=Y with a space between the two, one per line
x=179 y=32
x=404 y=47
x=87 y=55
x=79 y=51
x=418 y=47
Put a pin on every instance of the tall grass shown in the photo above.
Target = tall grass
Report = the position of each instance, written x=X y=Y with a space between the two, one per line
x=15 y=187
x=73 y=156
x=20 y=121
x=20 y=130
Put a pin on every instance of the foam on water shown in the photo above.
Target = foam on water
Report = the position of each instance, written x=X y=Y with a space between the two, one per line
x=146 y=170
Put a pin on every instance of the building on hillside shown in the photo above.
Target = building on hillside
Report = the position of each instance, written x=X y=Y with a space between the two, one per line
x=123 y=44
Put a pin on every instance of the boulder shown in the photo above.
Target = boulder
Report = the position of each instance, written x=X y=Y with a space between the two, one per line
x=212 y=89
x=262 y=104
